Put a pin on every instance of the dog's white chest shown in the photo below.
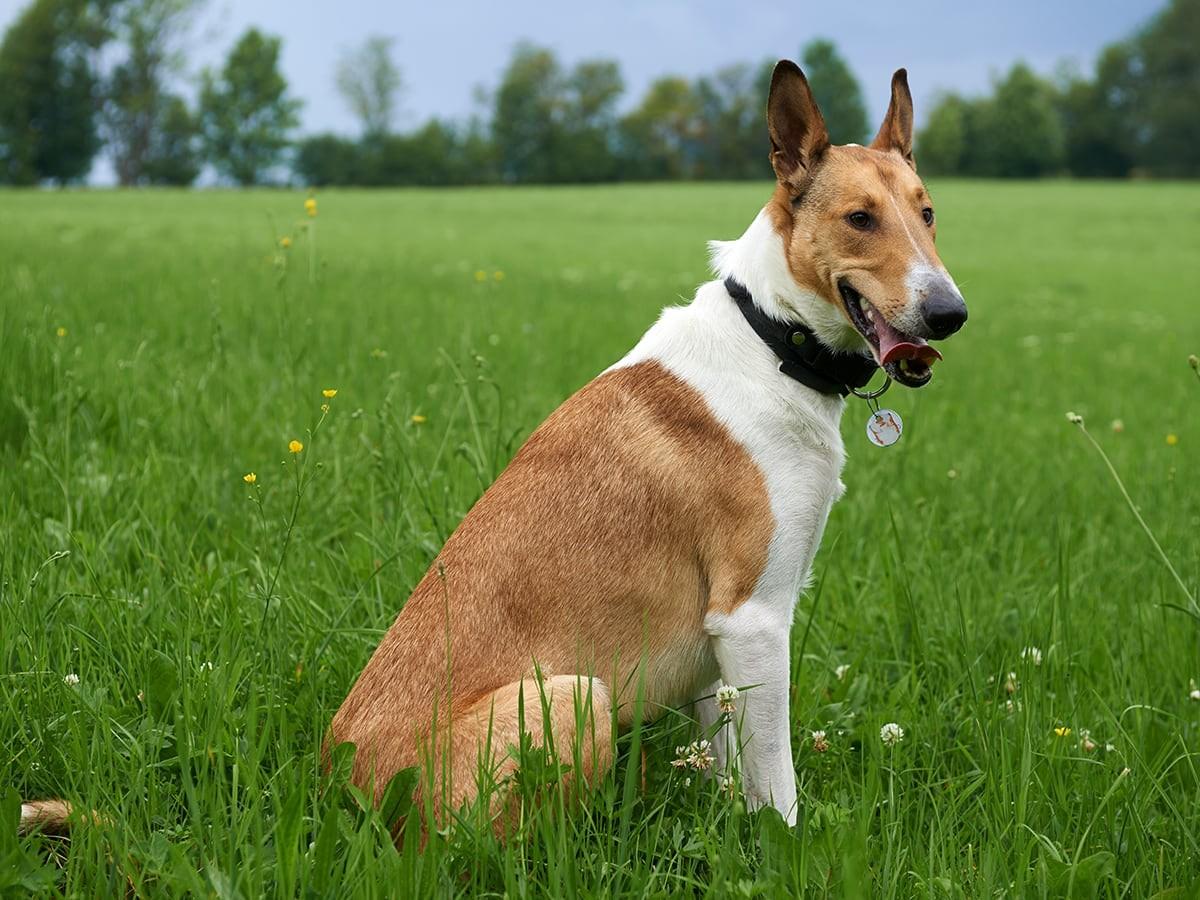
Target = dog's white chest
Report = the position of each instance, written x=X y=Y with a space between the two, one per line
x=790 y=432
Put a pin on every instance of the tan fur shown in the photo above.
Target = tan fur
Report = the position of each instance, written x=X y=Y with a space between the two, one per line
x=626 y=517
x=821 y=246
x=45 y=815
x=819 y=185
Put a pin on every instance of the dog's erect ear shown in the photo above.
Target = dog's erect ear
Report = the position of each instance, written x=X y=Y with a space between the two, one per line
x=798 y=134
x=896 y=132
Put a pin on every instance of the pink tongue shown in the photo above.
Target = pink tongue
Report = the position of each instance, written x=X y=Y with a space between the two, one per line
x=894 y=345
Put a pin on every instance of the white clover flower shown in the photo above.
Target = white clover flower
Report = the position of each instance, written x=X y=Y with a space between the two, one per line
x=1086 y=744
x=695 y=755
x=206 y=666
x=1193 y=691
x=819 y=742
x=1074 y=419
x=728 y=785
x=891 y=734
x=70 y=679
x=1011 y=684
x=1033 y=654
x=841 y=671
x=727 y=696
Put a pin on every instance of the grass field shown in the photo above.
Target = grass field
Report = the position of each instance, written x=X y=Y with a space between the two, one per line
x=172 y=649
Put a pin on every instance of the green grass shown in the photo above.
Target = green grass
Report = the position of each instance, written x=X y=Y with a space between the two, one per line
x=131 y=554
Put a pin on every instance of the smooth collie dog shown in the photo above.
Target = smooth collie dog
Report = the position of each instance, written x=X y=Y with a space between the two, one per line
x=654 y=533
x=650 y=539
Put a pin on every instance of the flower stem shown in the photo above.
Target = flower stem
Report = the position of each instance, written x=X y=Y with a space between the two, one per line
x=1137 y=515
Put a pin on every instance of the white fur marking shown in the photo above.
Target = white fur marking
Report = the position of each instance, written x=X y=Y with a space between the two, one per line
x=907 y=230
x=791 y=433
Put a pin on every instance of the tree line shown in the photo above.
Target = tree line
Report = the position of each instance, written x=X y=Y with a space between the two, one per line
x=82 y=77
x=1138 y=115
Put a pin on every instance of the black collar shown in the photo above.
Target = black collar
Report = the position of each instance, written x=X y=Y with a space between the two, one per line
x=801 y=355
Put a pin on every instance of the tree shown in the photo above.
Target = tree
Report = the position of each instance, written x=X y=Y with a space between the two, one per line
x=48 y=92
x=733 y=134
x=1020 y=134
x=944 y=144
x=660 y=138
x=369 y=82
x=1167 y=91
x=137 y=107
x=837 y=92
x=246 y=114
x=586 y=146
x=174 y=157
x=527 y=110
x=327 y=159
x=1100 y=116
x=551 y=126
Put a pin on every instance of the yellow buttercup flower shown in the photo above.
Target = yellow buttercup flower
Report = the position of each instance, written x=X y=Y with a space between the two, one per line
x=499 y=276
x=1172 y=440
x=250 y=478
x=61 y=332
x=329 y=393
x=1062 y=731
x=418 y=419
x=480 y=275
x=285 y=242
x=295 y=446
x=310 y=207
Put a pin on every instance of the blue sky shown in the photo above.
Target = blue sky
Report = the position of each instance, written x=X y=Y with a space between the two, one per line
x=447 y=49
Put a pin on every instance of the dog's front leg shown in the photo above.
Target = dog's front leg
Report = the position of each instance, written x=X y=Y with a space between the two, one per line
x=708 y=714
x=751 y=645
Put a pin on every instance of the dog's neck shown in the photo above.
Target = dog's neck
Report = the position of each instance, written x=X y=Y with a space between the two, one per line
x=758 y=260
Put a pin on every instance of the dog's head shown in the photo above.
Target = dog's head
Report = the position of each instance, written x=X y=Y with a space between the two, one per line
x=858 y=228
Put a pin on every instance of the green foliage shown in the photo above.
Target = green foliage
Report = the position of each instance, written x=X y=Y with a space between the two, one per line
x=554 y=126
x=659 y=138
x=1016 y=133
x=195 y=347
x=1019 y=132
x=436 y=153
x=732 y=142
x=1167 y=97
x=369 y=81
x=246 y=115
x=48 y=92
x=837 y=93
x=328 y=159
x=149 y=132
x=526 y=122
x=945 y=143
x=1100 y=116
x=1138 y=113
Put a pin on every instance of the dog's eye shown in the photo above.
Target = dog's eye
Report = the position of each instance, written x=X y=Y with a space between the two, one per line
x=927 y=215
x=859 y=219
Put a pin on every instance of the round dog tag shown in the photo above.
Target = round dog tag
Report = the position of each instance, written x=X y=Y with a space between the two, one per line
x=884 y=427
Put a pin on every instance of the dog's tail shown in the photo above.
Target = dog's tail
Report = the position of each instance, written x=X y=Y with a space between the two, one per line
x=45 y=815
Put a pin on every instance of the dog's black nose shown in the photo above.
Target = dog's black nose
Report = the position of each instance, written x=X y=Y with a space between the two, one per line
x=944 y=313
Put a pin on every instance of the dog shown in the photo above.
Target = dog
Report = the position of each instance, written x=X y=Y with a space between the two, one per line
x=649 y=541
x=651 y=538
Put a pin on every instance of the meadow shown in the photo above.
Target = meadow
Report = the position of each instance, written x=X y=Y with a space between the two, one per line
x=174 y=639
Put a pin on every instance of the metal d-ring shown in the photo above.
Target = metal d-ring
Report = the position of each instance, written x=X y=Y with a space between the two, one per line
x=871 y=395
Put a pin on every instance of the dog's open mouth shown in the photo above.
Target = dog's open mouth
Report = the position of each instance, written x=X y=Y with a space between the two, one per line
x=905 y=357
